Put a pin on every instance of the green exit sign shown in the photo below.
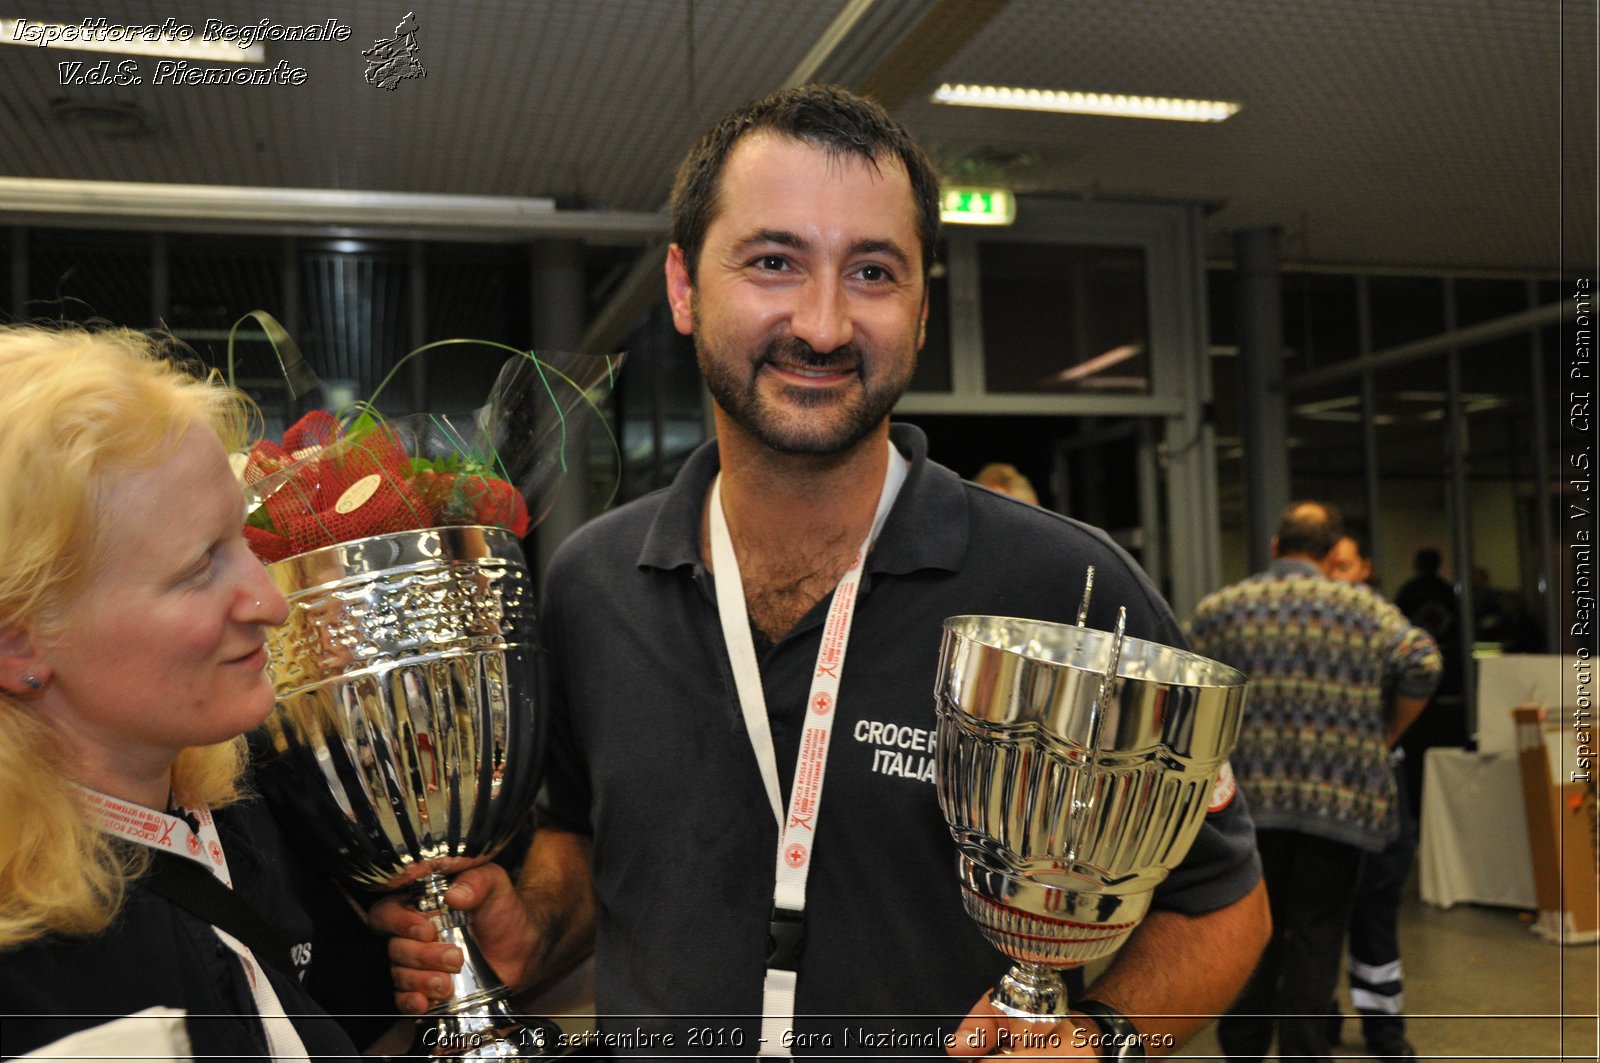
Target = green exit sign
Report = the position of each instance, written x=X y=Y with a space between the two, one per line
x=977 y=206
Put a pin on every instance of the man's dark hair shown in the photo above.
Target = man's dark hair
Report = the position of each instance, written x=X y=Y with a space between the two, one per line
x=1309 y=529
x=824 y=116
x=1428 y=561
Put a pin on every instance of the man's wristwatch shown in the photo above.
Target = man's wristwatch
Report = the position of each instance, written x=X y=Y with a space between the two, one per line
x=1120 y=1039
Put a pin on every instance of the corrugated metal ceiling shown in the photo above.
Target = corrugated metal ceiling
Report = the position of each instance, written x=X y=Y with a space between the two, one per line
x=1442 y=134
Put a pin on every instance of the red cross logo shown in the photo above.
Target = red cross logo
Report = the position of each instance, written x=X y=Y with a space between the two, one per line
x=1223 y=789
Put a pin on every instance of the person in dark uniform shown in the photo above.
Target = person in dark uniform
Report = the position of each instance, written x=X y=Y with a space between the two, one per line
x=1429 y=601
x=145 y=909
x=1373 y=963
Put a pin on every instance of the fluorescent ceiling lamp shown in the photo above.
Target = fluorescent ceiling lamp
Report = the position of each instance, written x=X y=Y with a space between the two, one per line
x=1347 y=408
x=1102 y=103
x=1099 y=363
x=1471 y=402
x=1115 y=383
x=319 y=209
x=1344 y=409
x=155 y=39
x=326 y=206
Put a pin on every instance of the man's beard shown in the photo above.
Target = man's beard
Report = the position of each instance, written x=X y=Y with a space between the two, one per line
x=833 y=431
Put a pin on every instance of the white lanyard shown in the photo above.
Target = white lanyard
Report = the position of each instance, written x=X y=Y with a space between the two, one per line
x=158 y=830
x=796 y=831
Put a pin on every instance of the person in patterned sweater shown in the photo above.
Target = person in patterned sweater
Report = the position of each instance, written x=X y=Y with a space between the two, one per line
x=1336 y=675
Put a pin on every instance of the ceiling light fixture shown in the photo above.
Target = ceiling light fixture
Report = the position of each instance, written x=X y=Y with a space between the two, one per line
x=158 y=39
x=1099 y=363
x=106 y=118
x=1112 y=104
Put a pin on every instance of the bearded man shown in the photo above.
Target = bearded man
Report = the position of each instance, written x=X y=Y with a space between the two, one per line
x=685 y=631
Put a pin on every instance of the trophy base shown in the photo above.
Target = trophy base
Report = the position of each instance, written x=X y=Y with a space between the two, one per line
x=1036 y=922
x=1033 y=993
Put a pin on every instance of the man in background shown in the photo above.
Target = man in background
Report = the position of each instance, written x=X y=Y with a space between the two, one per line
x=1428 y=598
x=1323 y=658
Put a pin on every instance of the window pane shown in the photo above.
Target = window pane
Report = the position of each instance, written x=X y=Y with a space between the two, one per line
x=79 y=275
x=1064 y=319
x=7 y=244
x=354 y=319
x=1486 y=300
x=1418 y=497
x=1405 y=309
x=474 y=292
x=1326 y=459
x=657 y=404
x=1319 y=320
x=1233 y=535
x=1503 y=495
x=213 y=281
x=933 y=363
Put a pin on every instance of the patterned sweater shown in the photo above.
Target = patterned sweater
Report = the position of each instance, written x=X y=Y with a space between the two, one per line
x=1323 y=658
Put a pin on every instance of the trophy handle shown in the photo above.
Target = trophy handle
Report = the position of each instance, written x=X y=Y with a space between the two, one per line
x=1088 y=592
x=475 y=1023
x=1083 y=785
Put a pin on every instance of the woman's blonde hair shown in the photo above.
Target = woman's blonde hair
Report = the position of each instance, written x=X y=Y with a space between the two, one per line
x=78 y=409
x=1007 y=479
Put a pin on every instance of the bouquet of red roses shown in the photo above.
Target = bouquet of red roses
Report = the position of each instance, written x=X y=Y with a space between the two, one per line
x=329 y=482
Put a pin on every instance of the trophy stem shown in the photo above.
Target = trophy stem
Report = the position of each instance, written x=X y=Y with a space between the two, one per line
x=1033 y=992
x=476 y=1022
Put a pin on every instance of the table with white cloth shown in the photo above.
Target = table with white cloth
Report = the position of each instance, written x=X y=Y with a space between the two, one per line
x=1473 y=845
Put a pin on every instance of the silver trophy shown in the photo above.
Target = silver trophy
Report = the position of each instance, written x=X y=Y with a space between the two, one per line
x=406 y=741
x=1075 y=768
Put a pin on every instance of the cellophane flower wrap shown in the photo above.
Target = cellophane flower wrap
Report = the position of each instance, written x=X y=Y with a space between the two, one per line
x=331 y=481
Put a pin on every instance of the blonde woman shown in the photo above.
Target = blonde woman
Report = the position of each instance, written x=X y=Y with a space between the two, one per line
x=1008 y=480
x=132 y=627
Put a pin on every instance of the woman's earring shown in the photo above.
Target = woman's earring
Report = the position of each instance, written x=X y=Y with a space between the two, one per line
x=33 y=683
